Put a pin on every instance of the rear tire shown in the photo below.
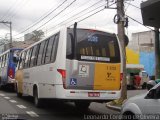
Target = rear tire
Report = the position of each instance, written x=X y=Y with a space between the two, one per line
x=82 y=105
x=37 y=101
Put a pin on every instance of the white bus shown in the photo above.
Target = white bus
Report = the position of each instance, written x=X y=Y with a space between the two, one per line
x=74 y=64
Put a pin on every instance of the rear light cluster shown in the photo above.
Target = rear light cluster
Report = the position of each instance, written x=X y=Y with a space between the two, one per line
x=11 y=73
x=63 y=73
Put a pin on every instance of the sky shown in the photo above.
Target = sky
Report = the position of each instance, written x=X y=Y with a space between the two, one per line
x=29 y=15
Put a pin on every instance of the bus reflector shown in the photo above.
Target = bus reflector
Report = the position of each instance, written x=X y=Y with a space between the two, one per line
x=121 y=76
x=11 y=73
x=63 y=73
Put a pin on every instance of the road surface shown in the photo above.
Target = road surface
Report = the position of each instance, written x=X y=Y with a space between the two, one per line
x=23 y=108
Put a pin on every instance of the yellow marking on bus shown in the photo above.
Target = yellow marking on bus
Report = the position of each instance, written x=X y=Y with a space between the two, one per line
x=19 y=79
x=107 y=76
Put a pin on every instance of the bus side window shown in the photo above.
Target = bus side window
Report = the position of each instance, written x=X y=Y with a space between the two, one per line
x=33 y=57
x=6 y=59
x=44 y=51
x=40 y=53
x=26 y=59
x=69 y=52
x=29 y=57
x=54 y=48
x=49 y=49
x=36 y=54
x=22 y=63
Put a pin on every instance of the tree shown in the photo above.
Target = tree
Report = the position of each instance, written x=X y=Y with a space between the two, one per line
x=35 y=35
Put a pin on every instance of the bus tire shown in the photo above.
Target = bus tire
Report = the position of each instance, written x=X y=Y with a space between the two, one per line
x=37 y=101
x=82 y=105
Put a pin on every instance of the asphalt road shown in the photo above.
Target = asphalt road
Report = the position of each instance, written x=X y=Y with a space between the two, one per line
x=23 y=108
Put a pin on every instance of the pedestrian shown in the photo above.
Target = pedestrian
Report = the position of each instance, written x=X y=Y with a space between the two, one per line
x=137 y=81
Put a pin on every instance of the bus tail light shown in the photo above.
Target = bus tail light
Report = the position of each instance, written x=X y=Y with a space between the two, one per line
x=63 y=73
x=11 y=74
x=121 y=76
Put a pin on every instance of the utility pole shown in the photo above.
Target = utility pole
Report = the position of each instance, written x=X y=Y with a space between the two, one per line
x=157 y=55
x=121 y=35
x=10 y=26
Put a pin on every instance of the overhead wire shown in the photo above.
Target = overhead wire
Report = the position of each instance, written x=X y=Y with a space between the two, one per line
x=20 y=7
x=63 y=22
x=42 y=18
x=85 y=17
x=10 y=13
x=139 y=22
x=54 y=16
x=8 y=10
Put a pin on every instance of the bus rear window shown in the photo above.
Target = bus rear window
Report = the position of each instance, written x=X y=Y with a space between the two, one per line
x=95 y=46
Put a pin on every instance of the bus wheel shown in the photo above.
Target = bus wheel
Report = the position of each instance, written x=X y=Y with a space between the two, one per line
x=37 y=101
x=82 y=105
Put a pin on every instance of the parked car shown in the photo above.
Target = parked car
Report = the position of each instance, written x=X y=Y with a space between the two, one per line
x=145 y=106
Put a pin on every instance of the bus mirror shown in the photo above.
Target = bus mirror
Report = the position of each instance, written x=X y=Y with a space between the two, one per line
x=126 y=40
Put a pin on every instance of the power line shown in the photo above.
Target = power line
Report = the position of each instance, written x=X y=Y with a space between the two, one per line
x=9 y=9
x=133 y=5
x=139 y=22
x=54 y=16
x=13 y=10
x=42 y=18
x=94 y=13
x=20 y=7
x=79 y=13
x=83 y=18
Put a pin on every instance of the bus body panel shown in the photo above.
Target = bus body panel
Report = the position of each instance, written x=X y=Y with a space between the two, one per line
x=50 y=84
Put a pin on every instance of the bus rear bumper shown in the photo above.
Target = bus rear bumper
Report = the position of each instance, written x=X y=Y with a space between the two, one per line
x=90 y=95
x=11 y=81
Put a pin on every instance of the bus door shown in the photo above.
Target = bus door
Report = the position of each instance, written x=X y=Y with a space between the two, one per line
x=97 y=63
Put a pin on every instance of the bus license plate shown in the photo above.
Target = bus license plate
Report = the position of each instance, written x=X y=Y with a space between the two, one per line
x=94 y=94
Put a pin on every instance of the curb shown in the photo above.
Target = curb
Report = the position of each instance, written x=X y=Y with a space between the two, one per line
x=116 y=108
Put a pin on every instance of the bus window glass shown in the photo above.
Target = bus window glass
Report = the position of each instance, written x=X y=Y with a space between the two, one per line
x=29 y=57
x=22 y=61
x=40 y=53
x=44 y=51
x=33 y=57
x=94 y=46
x=49 y=50
x=54 y=48
x=6 y=59
x=26 y=59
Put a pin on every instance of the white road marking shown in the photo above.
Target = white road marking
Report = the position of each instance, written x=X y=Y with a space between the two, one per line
x=2 y=95
x=32 y=114
x=13 y=101
x=21 y=106
x=7 y=97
